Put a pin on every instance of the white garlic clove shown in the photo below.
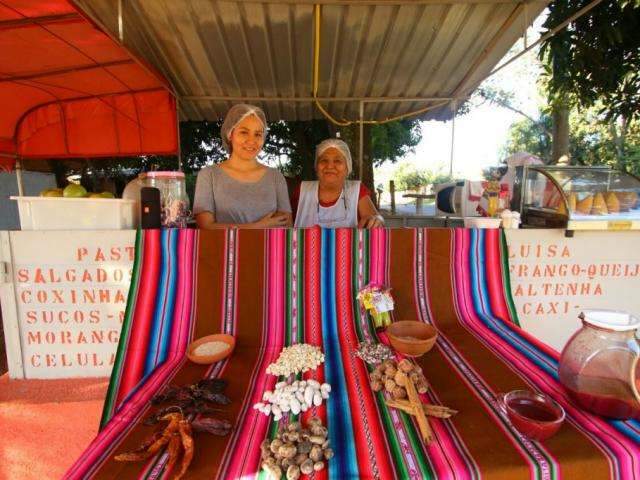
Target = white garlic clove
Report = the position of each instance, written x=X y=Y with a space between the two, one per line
x=317 y=399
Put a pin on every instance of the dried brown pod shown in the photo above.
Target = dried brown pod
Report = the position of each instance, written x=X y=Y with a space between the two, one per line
x=400 y=378
x=294 y=427
x=276 y=443
x=274 y=471
x=300 y=458
x=376 y=386
x=318 y=466
x=288 y=450
x=293 y=472
x=328 y=454
x=307 y=467
x=304 y=446
x=405 y=365
x=389 y=385
x=399 y=393
x=390 y=372
x=422 y=386
x=316 y=454
x=319 y=430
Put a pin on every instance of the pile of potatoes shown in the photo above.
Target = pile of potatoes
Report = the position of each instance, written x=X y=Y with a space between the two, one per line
x=296 y=450
x=392 y=376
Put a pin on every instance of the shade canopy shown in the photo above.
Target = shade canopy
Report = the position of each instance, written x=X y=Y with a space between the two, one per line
x=395 y=56
x=68 y=89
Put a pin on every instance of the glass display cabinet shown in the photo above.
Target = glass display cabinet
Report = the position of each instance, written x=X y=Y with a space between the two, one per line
x=576 y=198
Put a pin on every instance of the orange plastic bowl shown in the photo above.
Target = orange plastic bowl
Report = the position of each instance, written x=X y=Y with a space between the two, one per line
x=411 y=337
x=208 y=359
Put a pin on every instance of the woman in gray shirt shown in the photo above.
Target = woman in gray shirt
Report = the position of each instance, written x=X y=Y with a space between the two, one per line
x=241 y=191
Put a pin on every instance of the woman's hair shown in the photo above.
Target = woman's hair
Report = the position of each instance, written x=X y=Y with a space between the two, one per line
x=339 y=145
x=234 y=116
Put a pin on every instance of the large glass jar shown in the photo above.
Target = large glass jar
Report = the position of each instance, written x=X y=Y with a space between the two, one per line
x=174 y=201
x=599 y=364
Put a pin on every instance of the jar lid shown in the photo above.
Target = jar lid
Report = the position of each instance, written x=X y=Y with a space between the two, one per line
x=611 y=319
x=165 y=174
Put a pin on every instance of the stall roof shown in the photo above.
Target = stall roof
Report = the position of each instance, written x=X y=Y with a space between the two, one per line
x=397 y=56
x=67 y=89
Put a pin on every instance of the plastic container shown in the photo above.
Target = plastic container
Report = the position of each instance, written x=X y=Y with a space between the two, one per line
x=482 y=222
x=174 y=201
x=62 y=213
x=599 y=364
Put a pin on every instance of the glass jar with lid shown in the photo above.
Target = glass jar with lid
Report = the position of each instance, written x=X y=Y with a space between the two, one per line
x=599 y=364
x=174 y=201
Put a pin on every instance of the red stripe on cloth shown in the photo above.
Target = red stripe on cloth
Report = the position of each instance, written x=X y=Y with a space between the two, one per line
x=313 y=319
x=374 y=457
x=143 y=315
x=493 y=267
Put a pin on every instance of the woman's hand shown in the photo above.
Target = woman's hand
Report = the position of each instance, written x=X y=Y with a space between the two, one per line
x=273 y=219
x=371 y=221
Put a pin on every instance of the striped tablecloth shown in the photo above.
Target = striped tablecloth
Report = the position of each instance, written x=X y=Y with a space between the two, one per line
x=274 y=288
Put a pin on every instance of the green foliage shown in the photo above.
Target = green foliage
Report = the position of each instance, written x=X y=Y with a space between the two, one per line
x=594 y=140
x=393 y=140
x=407 y=177
x=596 y=59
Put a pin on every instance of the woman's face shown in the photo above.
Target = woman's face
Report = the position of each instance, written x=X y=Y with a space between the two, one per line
x=247 y=138
x=331 y=167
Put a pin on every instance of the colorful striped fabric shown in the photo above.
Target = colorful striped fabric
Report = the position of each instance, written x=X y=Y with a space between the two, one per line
x=274 y=288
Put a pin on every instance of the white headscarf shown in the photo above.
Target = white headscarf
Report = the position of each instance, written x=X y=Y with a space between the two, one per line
x=339 y=145
x=235 y=115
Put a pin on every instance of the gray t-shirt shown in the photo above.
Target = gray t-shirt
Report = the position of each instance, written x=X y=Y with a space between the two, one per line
x=233 y=201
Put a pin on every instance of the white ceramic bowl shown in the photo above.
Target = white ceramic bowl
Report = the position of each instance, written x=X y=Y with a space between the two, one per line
x=482 y=222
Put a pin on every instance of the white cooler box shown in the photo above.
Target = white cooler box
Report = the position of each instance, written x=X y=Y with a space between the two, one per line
x=60 y=213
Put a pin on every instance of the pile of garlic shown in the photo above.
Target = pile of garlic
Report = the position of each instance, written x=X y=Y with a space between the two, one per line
x=296 y=397
x=297 y=358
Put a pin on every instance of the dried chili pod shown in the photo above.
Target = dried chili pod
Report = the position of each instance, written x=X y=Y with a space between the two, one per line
x=168 y=394
x=211 y=425
x=220 y=398
x=213 y=385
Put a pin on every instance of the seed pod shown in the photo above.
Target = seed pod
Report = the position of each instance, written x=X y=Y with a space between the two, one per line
x=317 y=439
x=286 y=463
x=308 y=395
x=274 y=471
x=328 y=454
x=300 y=458
x=293 y=472
x=316 y=453
x=288 y=450
x=307 y=466
x=304 y=447
x=390 y=372
x=389 y=385
x=399 y=393
x=294 y=427
x=319 y=430
x=405 y=365
x=422 y=386
x=400 y=378
x=376 y=386
x=318 y=466
x=275 y=445
x=388 y=363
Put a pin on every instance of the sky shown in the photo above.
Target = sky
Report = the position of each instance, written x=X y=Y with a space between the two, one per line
x=480 y=134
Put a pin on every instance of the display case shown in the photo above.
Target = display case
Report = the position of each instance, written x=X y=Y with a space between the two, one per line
x=576 y=198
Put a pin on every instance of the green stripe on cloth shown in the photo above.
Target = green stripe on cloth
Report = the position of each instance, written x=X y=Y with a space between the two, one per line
x=506 y=278
x=108 y=409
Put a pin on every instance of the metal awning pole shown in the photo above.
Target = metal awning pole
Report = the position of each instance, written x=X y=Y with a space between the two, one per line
x=178 y=134
x=120 y=23
x=19 y=177
x=361 y=141
x=453 y=133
